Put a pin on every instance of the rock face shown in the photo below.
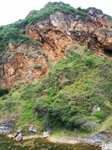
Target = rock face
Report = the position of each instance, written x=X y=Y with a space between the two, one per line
x=56 y=34
x=61 y=31
x=25 y=64
x=54 y=40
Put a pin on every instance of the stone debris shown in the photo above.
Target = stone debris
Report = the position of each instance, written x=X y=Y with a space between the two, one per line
x=32 y=129
x=18 y=135
x=5 y=128
x=46 y=134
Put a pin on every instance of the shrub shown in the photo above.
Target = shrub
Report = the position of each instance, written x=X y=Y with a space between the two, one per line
x=82 y=122
x=3 y=91
x=41 y=52
x=69 y=52
x=108 y=53
x=89 y=62
x=27 y=113
x=99 y=115
x=37 y=66
x=29 y=41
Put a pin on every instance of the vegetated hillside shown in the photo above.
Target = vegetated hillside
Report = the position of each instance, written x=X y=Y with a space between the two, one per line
x=55 y=79
x=65 y=97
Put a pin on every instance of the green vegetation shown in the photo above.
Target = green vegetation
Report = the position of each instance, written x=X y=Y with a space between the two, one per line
x=95 y=9
x=107 y=124
x=28 y=41
x=99 y=115
x=108 y=53
x=90 y=62
x=66 y=96
x=15 y=36
x=106 y=31
x=108 y=18
x=3 y=91
x=45 y=12
x=37 y=66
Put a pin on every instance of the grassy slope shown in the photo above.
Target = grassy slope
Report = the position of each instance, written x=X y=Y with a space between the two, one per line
x=65 y=97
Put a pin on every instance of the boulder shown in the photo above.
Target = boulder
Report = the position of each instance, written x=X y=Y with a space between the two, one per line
x=32 y=129
x=19 y=137
x=46 y=134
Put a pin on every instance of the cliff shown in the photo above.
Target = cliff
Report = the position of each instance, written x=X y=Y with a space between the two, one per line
x=58 y=32
x=57 y=66
x=25 y=64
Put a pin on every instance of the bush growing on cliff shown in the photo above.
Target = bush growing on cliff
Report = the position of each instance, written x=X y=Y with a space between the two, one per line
x=99 y=115
x=90 y=62
x=44 y=13
x=3 y=91
x=37 y=66
x=29 y=41
x=15 y=36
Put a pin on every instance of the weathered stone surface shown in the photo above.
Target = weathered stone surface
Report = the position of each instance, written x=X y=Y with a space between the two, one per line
x=61 y=31
x=32 y=129
x=21 y=66
x=5 y=128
